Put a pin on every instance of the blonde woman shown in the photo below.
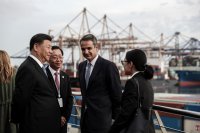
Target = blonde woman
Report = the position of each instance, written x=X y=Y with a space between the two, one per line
x=6 y=90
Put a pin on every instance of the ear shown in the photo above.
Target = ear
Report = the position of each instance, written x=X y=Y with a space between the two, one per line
x=35 y=47
x=97 y=48
x=131 y=64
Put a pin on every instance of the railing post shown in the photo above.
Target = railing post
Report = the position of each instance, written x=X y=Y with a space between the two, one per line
x=160 y=122
x=76 y=107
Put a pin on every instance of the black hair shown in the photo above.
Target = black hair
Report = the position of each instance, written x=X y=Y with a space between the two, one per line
x=57 y=47
x=39 y=38
x=139 y=59
x=90 y=37
x=148 y=72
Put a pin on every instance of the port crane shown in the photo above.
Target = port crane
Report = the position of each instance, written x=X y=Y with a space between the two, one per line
x=114 y=41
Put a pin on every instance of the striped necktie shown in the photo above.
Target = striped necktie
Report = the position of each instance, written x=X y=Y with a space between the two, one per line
x=44 y=69
x=56 y=80
x=87 y=73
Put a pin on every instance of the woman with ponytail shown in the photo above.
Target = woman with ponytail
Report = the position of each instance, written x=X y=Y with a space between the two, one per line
x=135 y=65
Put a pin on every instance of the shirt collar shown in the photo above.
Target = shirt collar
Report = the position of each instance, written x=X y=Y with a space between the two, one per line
x=36 y=59
x=94 y=60
x=53 y=71
x=135 y=73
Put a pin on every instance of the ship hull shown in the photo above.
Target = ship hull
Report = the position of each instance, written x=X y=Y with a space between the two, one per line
x=188 y=78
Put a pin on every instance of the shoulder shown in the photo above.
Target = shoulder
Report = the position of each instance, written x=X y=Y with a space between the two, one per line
x=25 y=66
x=64 y=75
x=140 y=79
x=82 y=64
x=106 y=62
x=130 y=88
x=28 y=63
x=130 y=83
x=103 y=60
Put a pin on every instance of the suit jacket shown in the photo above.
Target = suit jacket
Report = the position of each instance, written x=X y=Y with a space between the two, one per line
x=130 y=102
x=101 y=98
x=35 y=106
x=65 y=92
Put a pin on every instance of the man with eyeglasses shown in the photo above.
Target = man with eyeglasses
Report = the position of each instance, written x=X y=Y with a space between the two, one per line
x=61 y=86
x=100 y=88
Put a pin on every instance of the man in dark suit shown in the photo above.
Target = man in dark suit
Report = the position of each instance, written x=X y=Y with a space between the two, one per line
x=35 y=107
x=100 y=88
x=61 y=83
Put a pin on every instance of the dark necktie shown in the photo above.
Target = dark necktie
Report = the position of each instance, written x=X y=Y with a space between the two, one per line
x=87 y=73
x=56 y=80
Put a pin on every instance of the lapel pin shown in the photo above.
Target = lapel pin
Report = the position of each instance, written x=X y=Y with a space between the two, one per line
x=63 y=77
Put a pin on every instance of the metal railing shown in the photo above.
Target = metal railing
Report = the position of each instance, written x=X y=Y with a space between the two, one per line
x=76 y=115
x=176 y=111
x=192 y=114
x=156 y=110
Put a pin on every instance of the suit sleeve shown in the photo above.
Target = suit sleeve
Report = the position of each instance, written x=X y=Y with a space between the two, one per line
x=129 y=106
x=115 y=89
x=23 y=88
x=69 y=100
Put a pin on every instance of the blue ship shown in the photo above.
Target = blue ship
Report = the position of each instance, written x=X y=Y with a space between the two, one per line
x=188 y=78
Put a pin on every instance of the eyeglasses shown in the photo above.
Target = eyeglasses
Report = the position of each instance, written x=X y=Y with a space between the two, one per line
x=57 y=57
x=123 y=62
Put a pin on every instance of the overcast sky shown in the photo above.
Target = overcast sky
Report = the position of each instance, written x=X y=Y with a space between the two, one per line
x=21 y=19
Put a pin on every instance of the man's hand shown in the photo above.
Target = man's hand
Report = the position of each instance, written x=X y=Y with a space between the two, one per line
x=113 y=120
x=63 y=121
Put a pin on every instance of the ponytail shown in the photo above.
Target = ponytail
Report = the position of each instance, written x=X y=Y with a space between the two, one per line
x=148 y=72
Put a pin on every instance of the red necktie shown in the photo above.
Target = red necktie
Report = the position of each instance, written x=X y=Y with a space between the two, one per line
x=56 y=80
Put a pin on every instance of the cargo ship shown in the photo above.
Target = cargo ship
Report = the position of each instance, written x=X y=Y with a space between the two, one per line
x=187 y=71
x=188 y=78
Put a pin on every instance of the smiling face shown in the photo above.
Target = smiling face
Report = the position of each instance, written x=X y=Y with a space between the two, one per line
x=43 y=50
x=56 y=59
x=89 y=50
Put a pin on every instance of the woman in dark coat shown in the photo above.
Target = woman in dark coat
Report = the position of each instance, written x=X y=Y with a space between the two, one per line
x=7 y=75
x=136 y=67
